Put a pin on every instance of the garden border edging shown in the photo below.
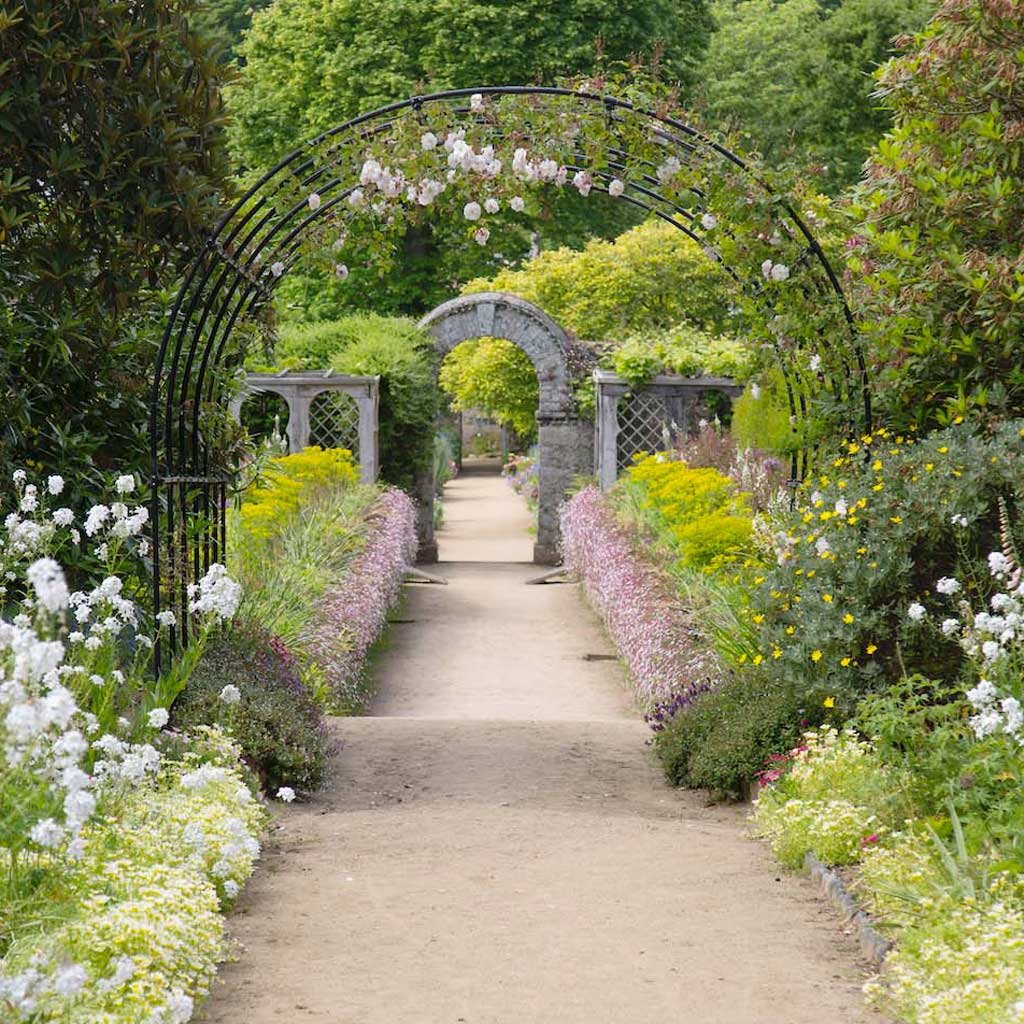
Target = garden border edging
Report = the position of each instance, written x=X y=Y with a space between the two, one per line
x=872 y=945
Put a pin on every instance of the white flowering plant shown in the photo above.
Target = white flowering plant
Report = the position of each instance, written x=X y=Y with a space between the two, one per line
x=132 y=933
x=80 y=716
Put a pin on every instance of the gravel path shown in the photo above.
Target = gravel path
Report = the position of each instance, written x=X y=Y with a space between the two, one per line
x=496 y=846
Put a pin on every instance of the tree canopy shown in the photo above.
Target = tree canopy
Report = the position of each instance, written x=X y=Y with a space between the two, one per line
x=796 y=77
x=311 y=64
x=112 y=171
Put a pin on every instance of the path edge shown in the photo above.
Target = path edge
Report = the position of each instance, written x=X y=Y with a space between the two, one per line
x=873 y=945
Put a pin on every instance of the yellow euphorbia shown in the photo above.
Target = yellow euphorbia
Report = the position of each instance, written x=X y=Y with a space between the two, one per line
x=291 y=480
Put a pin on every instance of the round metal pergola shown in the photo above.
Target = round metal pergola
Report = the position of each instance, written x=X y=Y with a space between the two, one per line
x=264 y=235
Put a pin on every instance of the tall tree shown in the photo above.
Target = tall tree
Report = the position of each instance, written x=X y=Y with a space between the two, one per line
x=310 y=64
x=796 y=76
x=111 y=144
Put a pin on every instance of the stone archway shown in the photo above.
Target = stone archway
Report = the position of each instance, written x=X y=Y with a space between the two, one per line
x=565 y=442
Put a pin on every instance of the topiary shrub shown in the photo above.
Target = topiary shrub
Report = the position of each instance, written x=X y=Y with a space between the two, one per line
x=280 y=729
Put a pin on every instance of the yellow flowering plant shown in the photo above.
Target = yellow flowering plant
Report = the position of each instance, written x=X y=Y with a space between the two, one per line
x=866 y=540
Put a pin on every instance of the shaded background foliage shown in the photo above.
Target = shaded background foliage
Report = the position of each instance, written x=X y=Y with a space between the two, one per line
x=112 y=172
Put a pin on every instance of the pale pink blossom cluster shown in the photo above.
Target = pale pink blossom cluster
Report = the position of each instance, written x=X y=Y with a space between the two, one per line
x=652 y=632
x=353 y=614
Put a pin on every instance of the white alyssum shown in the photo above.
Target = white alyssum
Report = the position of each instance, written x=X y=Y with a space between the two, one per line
x=286 y=793
x=916 y=612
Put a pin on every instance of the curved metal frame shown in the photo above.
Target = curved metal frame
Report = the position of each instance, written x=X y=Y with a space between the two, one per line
x=229 y=280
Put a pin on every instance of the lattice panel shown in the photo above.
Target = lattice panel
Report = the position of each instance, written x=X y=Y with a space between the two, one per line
x=644 y=426
x=334 y=421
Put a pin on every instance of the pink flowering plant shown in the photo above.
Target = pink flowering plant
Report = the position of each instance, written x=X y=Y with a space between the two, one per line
x=352 y=613
x=656 y=638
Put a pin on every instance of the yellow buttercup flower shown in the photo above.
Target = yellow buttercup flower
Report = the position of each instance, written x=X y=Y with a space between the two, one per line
x=776 y=652
x=791 y=630
x=845 y=662
x=828 y=702
x=827 y=598
x=816 y=655
x=871 y=648
x=848 y=618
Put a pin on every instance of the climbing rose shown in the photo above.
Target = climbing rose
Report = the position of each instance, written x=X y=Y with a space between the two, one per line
x=314 y=202
x=492 y=206
x=710 y=221
x=428 y=141
x=476 y=101
x=341 y=271
x=471 y=211
x=481 y=235
x=517 y=204
x=616 y=187
x=780 y=272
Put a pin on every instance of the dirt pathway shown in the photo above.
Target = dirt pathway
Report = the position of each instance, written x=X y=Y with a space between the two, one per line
x=497 y=848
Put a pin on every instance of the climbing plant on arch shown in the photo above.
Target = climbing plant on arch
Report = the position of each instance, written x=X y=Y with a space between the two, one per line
x=478 y=154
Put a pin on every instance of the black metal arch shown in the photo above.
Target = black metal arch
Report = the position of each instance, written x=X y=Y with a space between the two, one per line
x=231 y=279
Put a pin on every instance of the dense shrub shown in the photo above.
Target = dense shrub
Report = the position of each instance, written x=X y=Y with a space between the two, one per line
x=112 y=175
x=796 y=77
x=650 y=278
x=698 y=514
x=761 y=418
x=496 y=377
x=869 y=537
x=289 y=483
x=721 y=739
x=397 y=351
x=281 y=731
x=938 y=263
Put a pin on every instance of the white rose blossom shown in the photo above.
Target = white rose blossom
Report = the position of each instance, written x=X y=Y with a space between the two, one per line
x=616 y=187
x=471 y=211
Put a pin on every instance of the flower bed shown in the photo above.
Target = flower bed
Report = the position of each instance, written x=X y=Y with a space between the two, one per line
x=651 y=631
x=351 y=615
x=120 y=842
x=134 y=932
